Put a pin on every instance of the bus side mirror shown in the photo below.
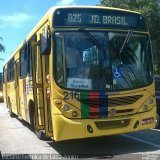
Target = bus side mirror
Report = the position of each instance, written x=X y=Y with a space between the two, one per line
x=45 y=43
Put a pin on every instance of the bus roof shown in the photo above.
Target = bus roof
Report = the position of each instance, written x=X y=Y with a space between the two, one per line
x=52 y=9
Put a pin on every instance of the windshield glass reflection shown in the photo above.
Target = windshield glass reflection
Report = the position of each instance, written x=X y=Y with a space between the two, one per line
x=83 y=64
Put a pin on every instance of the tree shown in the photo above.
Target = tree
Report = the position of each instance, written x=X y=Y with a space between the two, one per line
x=150 y=10
x=2 y=48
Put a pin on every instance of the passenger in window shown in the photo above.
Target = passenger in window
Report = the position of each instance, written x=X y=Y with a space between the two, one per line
x=74 y=60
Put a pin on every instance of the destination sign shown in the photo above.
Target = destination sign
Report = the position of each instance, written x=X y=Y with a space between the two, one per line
x=82 y=17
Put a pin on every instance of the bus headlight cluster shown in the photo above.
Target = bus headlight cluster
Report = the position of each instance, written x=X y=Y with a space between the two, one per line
x=70 y=111
x=147 y=105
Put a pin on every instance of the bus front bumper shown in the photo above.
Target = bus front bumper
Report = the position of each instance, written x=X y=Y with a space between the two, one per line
x=65 y=128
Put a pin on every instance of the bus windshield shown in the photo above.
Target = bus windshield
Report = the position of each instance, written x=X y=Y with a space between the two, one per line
x=80 y=62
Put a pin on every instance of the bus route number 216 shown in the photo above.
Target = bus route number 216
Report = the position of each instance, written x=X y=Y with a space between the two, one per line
x=72 y=95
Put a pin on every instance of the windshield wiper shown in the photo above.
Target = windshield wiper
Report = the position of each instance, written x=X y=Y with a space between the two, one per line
x=129 y=34
x=92 y=38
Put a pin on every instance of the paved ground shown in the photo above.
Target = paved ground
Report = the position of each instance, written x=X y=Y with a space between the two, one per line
x=17 y=139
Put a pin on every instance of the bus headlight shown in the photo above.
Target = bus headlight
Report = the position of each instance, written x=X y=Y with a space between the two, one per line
x=150 y=101
x=66 y=108
x=147 y=105
x=144 y=108
x=69 y=111
x=74 y=114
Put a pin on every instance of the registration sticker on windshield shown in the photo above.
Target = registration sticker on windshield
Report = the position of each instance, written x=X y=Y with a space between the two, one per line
x=79 y=83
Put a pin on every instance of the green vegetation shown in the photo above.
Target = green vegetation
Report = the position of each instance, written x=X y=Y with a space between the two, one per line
x=2 y=47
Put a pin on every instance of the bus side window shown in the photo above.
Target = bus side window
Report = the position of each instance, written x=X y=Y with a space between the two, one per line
x=10 y=70
x=29 y=51
x=23 y=62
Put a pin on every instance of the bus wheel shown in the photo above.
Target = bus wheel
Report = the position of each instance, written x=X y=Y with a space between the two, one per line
x=157 y=121
x=10 y=109
x=40 y=134
x=31 y=112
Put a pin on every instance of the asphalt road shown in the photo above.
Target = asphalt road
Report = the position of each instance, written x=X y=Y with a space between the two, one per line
x=18 y=141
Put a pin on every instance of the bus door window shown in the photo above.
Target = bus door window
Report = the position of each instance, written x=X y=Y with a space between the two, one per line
x=23 y=63
x=60 y=61
x=39 y=83
x=47 y=77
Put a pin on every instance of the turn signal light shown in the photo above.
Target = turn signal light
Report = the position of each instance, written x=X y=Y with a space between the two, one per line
x=58 y=102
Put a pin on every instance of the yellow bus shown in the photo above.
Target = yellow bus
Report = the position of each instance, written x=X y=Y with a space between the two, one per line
x=83 y=72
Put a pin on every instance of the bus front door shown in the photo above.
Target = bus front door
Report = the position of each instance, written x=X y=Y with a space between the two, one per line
x=40 y=88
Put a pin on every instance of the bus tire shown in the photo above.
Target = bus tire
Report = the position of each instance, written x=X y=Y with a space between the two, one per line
x=40 y=134
x=157 y=121
x=31 y=112
x=10 y=108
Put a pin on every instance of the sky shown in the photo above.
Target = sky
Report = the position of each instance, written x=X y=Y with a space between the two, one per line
x=18 y=17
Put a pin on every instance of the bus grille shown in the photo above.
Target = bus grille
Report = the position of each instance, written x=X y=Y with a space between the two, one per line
x=111 y=102
x=100 y=106
x=123 y=100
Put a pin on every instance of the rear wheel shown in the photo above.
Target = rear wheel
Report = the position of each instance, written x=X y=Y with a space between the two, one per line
x=31 y=112
x=39 y=133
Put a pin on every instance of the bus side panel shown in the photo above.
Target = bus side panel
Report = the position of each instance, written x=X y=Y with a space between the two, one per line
x=28 y=97
x=22 y=97
x=25 y=96
x=12 y=96
x=4 y=93
x=5 y=86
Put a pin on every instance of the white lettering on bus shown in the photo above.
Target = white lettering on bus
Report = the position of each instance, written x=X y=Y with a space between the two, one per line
x=74 y=18
x=95 y=19
x=115 y=20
